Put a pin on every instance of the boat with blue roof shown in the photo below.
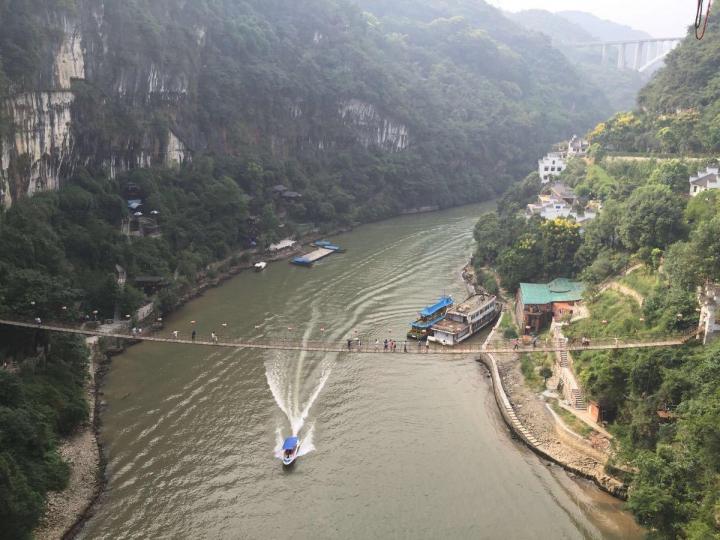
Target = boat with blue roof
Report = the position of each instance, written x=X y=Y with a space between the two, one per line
x=328 y=245
x=429 y=316
x=290 y=449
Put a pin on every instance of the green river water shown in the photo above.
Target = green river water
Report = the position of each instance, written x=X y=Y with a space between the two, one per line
x=396 y=446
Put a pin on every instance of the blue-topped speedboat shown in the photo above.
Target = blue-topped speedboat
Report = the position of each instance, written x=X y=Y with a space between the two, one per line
x=291 y=446
x=429 y=316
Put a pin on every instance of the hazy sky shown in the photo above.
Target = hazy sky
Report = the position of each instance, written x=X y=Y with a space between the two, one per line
x=659 y=18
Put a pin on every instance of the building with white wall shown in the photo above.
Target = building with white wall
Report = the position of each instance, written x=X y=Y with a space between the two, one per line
x=551 y=166
x=705 y=180
x=577 y=146
x=562 y=202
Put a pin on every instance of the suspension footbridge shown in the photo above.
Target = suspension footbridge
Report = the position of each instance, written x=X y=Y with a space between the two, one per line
x=355 y=345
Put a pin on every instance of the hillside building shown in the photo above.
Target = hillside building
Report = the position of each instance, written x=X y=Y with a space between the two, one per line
x=551 y=166
x=561 y=202
x=537 y=304
x=705 y=180
x=577 y=146
x=708 y=298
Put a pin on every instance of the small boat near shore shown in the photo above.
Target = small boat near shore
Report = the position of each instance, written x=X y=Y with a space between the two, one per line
x=259 y=266
x=328 y=245
x=428 y=316
x=290 y=450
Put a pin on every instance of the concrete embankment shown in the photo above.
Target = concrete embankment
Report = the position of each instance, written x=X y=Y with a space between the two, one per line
x=534 y=424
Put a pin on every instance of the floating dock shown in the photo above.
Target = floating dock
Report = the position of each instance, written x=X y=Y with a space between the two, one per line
x=309 y=258
x=324 y=248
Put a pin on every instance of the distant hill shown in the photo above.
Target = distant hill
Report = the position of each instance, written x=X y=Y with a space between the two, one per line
x=602 y=29
x=559 y=29
x=679 y=110
x=621 y=87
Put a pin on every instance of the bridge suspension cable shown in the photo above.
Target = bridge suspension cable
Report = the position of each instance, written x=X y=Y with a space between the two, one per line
x=701 y=21
x=356 y=345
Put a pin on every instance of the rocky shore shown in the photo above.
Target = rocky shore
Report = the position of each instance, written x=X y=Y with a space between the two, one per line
x=527 y=414
x=67 y=510
x=81 y=451
x=529 y=417
x=552 y=439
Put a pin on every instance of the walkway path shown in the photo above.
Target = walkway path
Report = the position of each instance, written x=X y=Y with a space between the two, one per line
x=493 y=346
x=624 y=289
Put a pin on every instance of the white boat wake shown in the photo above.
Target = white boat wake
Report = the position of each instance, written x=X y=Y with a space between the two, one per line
x=288 y=393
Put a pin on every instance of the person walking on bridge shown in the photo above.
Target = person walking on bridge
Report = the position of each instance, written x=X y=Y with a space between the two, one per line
x=193 y=335
x=349 y=343
x=175 y=334
x=214 y=337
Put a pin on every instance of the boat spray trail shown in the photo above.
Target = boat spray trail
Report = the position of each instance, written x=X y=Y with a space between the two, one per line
x=285 y=377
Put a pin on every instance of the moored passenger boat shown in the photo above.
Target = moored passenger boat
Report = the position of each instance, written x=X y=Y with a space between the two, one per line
x=420 y=329
x=466 y=319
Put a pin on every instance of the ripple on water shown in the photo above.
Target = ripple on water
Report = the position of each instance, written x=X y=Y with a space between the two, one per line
x=405 y=445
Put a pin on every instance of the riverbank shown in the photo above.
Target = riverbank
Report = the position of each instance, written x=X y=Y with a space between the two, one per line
x=67 y=510
x=175 y=469
x=64 y=509
x=220 y=271
x=529 y=417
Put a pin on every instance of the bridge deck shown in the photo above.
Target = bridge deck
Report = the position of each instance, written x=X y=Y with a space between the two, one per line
x=622 y=42
x=494 y=346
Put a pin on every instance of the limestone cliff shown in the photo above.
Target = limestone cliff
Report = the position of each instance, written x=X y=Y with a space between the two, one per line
x=111 y=86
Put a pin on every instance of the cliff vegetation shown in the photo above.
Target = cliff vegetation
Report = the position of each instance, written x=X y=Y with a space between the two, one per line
x=207 y=111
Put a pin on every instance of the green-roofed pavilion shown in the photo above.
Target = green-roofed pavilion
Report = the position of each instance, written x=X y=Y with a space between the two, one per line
x=538 y=303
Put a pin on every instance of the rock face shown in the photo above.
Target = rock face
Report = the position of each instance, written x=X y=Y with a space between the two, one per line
x=54 y=128
x=39 y=150
x=373 y=128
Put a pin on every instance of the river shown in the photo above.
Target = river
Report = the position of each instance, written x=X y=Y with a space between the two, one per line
x=396 y=446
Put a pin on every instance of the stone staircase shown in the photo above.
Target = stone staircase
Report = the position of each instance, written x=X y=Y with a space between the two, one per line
x=564 y=362
x=576 y=396
x=578 y=399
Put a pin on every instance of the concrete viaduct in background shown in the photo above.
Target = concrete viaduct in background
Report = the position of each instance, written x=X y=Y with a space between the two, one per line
x=639 y=54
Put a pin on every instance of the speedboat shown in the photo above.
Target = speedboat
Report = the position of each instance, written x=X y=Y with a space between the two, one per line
x=290 y=450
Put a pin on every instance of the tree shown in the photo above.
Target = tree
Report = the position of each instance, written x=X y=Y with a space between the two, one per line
x=652 y=218
x=520 y=262
x=546 y=372
x=705 y=241
x=673 y=173
x=488 y=238
x=682 y=265
x=560 y=242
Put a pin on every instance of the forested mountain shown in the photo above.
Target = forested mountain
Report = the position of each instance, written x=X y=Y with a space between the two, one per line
x=200 y=110
x=602 y=29
x=113 y=86
x=679 y=110
x=662 y=405
x=621 y=87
